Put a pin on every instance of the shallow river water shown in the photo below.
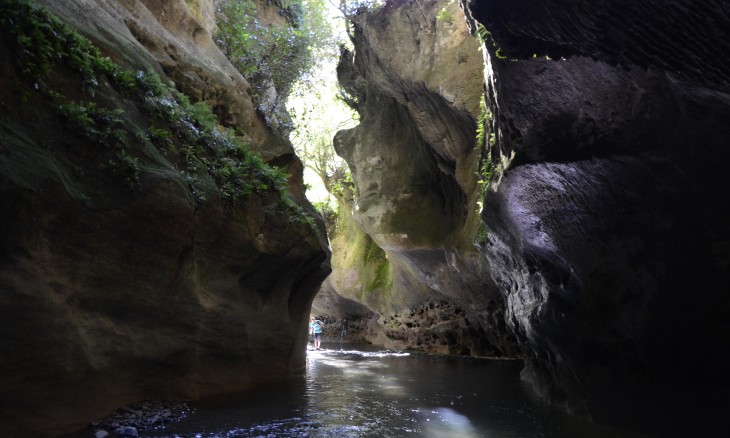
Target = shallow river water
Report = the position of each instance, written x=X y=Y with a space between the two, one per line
x=354 y=393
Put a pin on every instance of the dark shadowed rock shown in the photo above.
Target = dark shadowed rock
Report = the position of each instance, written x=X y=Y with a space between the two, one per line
x=126 y=270
x=608 y=223
x=682 y=37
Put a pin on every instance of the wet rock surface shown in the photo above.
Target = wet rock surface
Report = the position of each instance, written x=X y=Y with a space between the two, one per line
x=607 y=223
x=136 y=418
x=439 y=327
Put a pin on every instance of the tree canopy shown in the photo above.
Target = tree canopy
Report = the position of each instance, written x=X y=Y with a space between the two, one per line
x=273 y=43
x=288 y=50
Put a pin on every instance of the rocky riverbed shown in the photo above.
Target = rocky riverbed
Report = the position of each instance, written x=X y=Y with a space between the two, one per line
x=134 y=418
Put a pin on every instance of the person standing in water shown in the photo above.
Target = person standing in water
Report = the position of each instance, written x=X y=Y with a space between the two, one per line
x=315 y=328
x=344 y=327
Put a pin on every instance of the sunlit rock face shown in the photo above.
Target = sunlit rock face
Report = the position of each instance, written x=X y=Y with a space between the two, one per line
x=608 y=229
x=414 y=166
x=111 y=294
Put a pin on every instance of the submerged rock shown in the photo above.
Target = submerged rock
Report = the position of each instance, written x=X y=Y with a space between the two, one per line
x=134 y=418
x=126 y=431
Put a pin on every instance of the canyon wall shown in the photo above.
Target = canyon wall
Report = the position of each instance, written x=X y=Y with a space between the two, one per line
x=607 y=220
x=144 y=252
x=415 y=166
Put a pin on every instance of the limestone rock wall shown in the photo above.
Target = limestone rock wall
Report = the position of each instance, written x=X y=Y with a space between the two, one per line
x=414 y=163
x=124 y=274
x=607 y=228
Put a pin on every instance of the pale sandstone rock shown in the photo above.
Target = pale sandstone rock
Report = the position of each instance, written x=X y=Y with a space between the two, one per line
x=414 y=165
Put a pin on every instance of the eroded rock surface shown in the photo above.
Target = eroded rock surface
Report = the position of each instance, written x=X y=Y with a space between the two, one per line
x=607 y=228
x=125 y=273
x=414 y=164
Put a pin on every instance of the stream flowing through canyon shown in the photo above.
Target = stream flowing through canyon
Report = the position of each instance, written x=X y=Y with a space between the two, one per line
x=348 y=392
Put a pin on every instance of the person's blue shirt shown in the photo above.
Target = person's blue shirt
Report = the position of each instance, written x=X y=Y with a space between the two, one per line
x=316 y=326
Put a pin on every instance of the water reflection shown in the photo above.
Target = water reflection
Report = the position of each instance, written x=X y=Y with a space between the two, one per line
x=351 y=393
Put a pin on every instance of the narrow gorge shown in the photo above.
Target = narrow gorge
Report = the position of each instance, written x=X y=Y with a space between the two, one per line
x=146 y=254
x=538 y=182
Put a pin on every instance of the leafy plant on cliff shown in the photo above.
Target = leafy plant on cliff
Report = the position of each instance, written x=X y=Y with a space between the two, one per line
x=42 y=47
x=202 y=147
x=126 y=167
x=329 y=215
x=484 y=120
x=351 y=8
x=486 y=167
x=486 y=38
x=342 y=186
x=272 y=53
x=105 y=127
x=40 y=38
x=445 y=15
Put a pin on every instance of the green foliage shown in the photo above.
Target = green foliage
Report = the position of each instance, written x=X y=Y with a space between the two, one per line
x=329 y=214
x=318 y=115
x=483 y=34
x=125 y=82
x=486 y=167
x=41 y=41
x=126 y=167
x=105 y=127
x=161 y=138
x=373 y=253
x=341 y=186
x=77 y=115
x=150 y=84
x=383 y=277
x=201 y=114
x=486 y=38
x=273 y=53
x=350 y=8
x=483 y=123
x=239 y=173
x=445 y=16
x=196 y=146
x=41 y=45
